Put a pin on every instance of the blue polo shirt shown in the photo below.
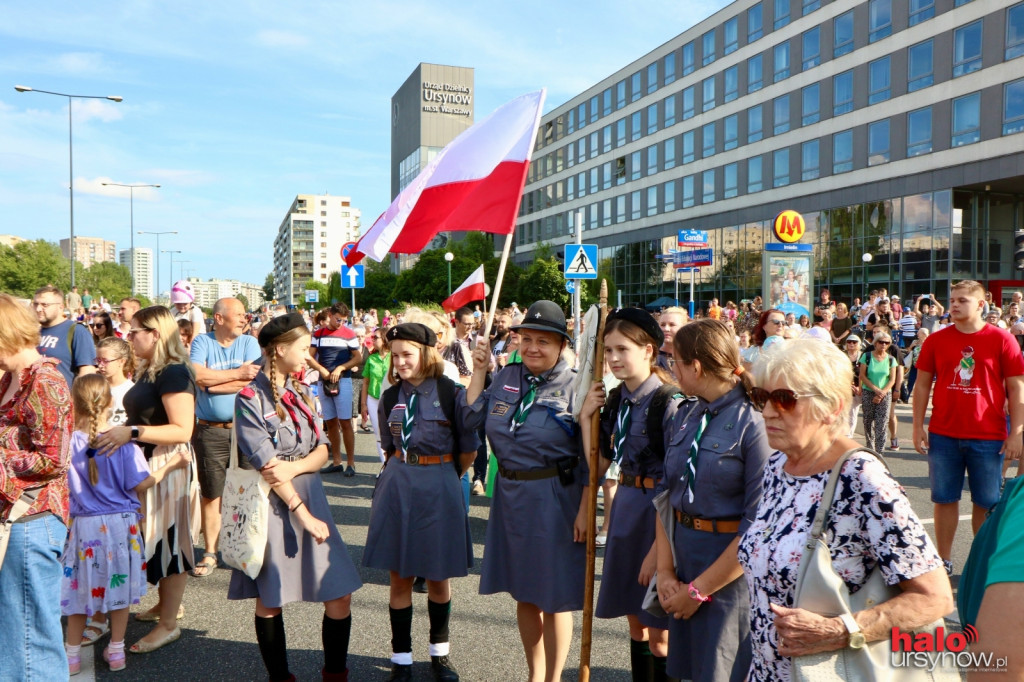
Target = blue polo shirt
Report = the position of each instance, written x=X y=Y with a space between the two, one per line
x=80 y=352
x=220 y=407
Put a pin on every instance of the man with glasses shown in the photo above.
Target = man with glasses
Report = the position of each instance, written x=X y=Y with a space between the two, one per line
x=335 y=352
x=64 y=340
x=129 y=306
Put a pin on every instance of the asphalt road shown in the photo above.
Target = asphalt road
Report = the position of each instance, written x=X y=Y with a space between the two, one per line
x=218 y=640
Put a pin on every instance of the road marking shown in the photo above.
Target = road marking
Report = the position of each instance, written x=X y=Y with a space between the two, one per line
x=963 y=517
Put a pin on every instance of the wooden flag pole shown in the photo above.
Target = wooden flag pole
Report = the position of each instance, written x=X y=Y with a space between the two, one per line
x=497 y=288
x=592 y=458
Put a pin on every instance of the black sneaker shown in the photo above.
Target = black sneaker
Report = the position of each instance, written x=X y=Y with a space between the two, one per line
x=400 y=673
x=442 y=669
x=349 y=472
x=332 y=469
x=948 y=565
x=419 y=586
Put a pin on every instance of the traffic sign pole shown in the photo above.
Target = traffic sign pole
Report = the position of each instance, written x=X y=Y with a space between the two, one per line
x=576 y=302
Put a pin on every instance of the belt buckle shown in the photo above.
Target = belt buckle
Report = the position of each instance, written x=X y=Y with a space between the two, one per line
x=412 y=458
x=687 y=520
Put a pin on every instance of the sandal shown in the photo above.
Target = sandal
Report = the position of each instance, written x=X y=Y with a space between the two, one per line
x=94 y=632
x=205 y=566
x=153 y=616
x=114 y=659
x=144 y=647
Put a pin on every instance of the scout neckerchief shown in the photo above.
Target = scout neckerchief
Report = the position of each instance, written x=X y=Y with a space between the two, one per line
x=407 y=420
x=291 y=403
x=526 y=403
x=621 y=429
x=691 y=459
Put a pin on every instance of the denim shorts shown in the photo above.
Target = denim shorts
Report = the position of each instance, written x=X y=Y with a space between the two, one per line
x=338 y=406
x=949 y=458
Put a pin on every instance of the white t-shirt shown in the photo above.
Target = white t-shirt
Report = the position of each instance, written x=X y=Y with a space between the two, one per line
x=118 y=416
x=195 y=316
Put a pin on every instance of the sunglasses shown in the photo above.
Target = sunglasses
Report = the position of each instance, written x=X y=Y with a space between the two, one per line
x=775 y=322
x=783 y=399
x=882 y=343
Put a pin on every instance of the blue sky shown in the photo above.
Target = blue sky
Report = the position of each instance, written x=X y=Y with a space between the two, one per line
x=236 y=107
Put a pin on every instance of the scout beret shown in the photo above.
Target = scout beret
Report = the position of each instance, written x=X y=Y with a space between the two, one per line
x=413 y=331
x=642 y=319
x=544 y=316
x=279 y=325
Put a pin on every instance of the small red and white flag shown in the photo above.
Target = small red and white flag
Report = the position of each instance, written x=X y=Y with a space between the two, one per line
x=473 y=289
x=475 y=183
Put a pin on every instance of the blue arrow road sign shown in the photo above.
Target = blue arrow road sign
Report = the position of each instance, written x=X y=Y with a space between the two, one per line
x=353 y=277
x=580 y=261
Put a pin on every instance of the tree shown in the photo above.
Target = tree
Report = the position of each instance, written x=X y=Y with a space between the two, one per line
x=32 y=264
x=107 y=279
x=268 y=287
x=245 y=301
x=317 y=286
x=543 y=280
x=380 y=285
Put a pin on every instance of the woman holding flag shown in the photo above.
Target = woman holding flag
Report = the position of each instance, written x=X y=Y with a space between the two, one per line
x=533 y=548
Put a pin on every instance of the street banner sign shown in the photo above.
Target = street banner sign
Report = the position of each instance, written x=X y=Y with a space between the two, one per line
x=693 y=238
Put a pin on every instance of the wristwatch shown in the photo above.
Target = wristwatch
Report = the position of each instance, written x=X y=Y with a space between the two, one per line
x=696 y=595
x=857 y=640
x=135 y=432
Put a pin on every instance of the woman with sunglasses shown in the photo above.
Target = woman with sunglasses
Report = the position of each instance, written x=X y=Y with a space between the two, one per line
x=804 y=395
x=878 y=373
x=772 y=323
x=102 y=327
x=713 y=468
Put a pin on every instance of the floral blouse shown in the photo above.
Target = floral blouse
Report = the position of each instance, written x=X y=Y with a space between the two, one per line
x=35 y=440
x=871 y=524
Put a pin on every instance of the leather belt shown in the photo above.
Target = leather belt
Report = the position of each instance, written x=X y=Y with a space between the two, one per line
x=216 y=425
x=631 y=481
x=529 y=475
x=426 y=460
x=708 y=525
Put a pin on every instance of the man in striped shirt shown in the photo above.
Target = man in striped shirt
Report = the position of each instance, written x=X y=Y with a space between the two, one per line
x=335 y=352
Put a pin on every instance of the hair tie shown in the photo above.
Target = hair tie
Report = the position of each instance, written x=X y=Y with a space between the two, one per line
x=739 y=370
x=90 y=452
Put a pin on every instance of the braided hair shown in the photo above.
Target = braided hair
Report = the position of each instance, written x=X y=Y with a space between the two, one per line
x=91 y=396
x=270 y=361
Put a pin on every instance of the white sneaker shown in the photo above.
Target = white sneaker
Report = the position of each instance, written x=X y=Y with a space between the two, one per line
x=478 y=488
x=601 y=540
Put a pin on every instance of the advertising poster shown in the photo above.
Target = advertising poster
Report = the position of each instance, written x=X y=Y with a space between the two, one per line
x=789 y=282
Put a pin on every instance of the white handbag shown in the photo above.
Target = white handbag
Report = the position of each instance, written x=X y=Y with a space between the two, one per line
x=17 y=511
x=244 y=514
x=821 y=590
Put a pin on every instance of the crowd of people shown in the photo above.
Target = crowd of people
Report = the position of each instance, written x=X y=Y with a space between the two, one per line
x=721 y=440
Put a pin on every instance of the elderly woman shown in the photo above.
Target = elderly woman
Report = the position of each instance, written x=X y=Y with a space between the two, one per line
x=803 y=392
x=35 y=437
x=879 y=372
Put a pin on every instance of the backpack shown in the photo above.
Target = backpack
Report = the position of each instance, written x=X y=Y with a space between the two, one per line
x=655 y=423
x=446 y=389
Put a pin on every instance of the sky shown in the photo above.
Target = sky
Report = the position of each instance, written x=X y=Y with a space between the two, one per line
x=236 y=107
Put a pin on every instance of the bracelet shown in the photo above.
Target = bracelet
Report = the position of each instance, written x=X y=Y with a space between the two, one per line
x=292 y=509
x=290 y=500
x=696 y=595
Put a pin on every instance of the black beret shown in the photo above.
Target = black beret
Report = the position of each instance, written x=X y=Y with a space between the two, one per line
x=413 y=331
x=545 y=316
x=642 y=319
x=279 y=325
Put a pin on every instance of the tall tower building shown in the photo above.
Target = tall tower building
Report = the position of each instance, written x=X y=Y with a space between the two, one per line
x=89 y=250
x=143 y=270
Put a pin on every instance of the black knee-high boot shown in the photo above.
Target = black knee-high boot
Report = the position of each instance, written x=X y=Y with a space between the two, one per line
x=335 y=635
x=273 y=648
x=641 y=661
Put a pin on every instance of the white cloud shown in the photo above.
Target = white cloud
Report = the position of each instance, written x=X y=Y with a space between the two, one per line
x=103 y=110
x=179 y=177
x=275 y=38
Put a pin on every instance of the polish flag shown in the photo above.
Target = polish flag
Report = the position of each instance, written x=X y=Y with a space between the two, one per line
x=475 y=183
x=473 y=289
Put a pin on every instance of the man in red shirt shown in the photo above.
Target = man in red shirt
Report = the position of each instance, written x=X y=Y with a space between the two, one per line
x=978 y=371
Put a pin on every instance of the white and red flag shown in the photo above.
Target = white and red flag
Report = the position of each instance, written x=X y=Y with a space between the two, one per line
x=475 y=183
x=473 y=289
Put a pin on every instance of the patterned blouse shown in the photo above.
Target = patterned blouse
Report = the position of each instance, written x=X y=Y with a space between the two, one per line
x=870 y=525
x=35 y=440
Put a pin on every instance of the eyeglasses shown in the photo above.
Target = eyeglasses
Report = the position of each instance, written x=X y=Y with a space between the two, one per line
x=783 y=399
x=106 y=361
x=136 y=331
x=775 y=321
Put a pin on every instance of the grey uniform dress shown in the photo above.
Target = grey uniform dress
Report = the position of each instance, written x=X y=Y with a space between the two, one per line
x=418 y=520
x=631 y=525
x=529 y=550
x=714 y=644
x=295 y=567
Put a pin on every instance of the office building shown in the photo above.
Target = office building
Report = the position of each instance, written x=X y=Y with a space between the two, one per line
x=893 y=127
x=433 y=106
x=89 y=250
x=309 y=241
x=143 y=270
x=10 y=239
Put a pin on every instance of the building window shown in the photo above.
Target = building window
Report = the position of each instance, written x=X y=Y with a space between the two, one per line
x=652 y=201
x=730 y=181
x=570 y=188
x=842 y=152
x=652 y=77
x=731 y=78
x=708 y=87
x=920 y=71
x=810 y=105
x=1013 y=107
x=810 y=5
x=811 y=48
x=581 y=185
x=730 y=132
x=652 y=159
x=921 y=10
x=967 y=49
x=635 y=86
x=967 y=119
x=620 y=208
x=595 y=181
x=708 y=47
x=781 y=62
x=620 y=132
x=842 y=93
x=652 y=119
x=708 y=136
x=570 y=121
x=842 y=27
x=606 y=139
x=780 y=168
x=781 y=13
x=689 y=153
x=670 y=68
x=708 y=186
x=669 y=192
x=606 y=175
x=755 y=123
x=620 y=97
x=669 y=104
x=731 y=35
x=919 y=132
x=606 y=213
x=620 y=170
x=879 y=19
x=754 y=180
x=809 y=160
x=689 y=61
x=879 y=81
x=636 y=206
x=606 y=102
x=593 y=109
x=755 y=73
x=323 y=213
x=781 y=111
x=670 y=153
x=755 y=23
x=1015 y=31
x=593 y=145
x=635 y=127
x=878 y=142
x=688 y=102
x=636 y=166
x=688 y=199
x=323 y=202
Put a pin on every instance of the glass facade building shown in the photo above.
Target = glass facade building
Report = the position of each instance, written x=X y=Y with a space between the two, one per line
x=893 y=127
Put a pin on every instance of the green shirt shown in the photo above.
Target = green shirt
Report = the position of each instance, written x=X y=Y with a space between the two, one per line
x=878 y=372
x=1007 y=562
x=373 y=372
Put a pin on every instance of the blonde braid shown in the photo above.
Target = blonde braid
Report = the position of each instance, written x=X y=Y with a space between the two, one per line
x=298 y=389
x=94 y=418
x=273 y=386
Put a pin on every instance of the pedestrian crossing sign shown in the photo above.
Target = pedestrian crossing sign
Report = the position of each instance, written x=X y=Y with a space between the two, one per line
x=580 y=261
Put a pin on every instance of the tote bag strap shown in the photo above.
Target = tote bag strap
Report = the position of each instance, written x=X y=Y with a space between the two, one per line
x=233 y=461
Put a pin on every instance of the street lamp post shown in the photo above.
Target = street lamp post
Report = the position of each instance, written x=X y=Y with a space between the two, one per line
x=449 y=256
x=71 y=166
x=131 y=209
x=170 y=273
x=181 y=268
x=157 y=280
